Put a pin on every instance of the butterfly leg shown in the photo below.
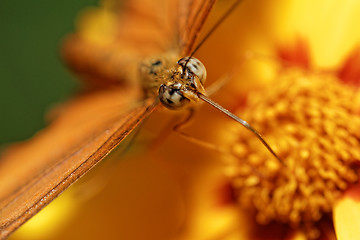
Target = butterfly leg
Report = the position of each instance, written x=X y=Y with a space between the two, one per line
x=208 y=145
x=218 y=84
x=178 y=128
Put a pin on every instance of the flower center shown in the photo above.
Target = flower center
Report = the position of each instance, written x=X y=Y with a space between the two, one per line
x=313 y=124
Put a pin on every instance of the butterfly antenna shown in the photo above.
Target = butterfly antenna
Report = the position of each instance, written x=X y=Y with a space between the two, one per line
x=212 y=30
x=216 y=25
x=242 y=122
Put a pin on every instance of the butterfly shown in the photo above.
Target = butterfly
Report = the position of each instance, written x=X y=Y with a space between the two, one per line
x=150 y=36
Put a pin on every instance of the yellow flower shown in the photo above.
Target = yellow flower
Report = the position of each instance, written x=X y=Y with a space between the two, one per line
x=308 y=109
x=296 y=68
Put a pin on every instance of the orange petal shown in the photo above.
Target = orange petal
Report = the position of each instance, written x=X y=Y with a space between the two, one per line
x=347 y=215
x=350 y=71
x=297 y=54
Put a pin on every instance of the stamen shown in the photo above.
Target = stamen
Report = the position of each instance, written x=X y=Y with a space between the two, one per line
x=314 y=126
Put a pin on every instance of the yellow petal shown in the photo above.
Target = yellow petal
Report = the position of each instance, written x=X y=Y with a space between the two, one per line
x=97 y=25
x=48 y=223
x=327 y=25
x=346 y=218
x=298 y=235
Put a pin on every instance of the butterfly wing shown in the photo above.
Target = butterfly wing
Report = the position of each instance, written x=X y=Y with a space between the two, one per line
x=140 y=29
x=192 y=17
x=87 y=128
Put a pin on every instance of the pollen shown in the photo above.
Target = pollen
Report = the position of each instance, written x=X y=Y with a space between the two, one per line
x=312 y=122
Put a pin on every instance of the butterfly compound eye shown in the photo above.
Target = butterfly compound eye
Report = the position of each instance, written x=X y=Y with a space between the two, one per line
x=171 y=96
x=194 y=66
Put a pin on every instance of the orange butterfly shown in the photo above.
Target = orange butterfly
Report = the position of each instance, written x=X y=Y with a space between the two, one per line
x=85 y=131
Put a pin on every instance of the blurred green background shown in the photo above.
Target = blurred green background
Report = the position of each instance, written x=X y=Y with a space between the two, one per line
x=33 y=78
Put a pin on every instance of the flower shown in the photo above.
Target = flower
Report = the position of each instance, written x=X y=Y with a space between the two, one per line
x=308 y=109
x=298 y=88
x=305 y=116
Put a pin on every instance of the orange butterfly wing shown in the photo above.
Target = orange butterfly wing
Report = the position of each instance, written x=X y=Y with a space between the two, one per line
x=88 y=127
x=35 y=172
x=144 y=28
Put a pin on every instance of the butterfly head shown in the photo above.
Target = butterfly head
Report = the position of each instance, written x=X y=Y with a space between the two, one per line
x=184 y=84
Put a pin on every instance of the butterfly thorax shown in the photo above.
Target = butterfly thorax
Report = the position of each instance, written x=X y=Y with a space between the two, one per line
x=176 y=83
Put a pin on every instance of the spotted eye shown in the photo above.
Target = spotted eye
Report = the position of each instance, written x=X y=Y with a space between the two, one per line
x=194 y=66
x=171 y=96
